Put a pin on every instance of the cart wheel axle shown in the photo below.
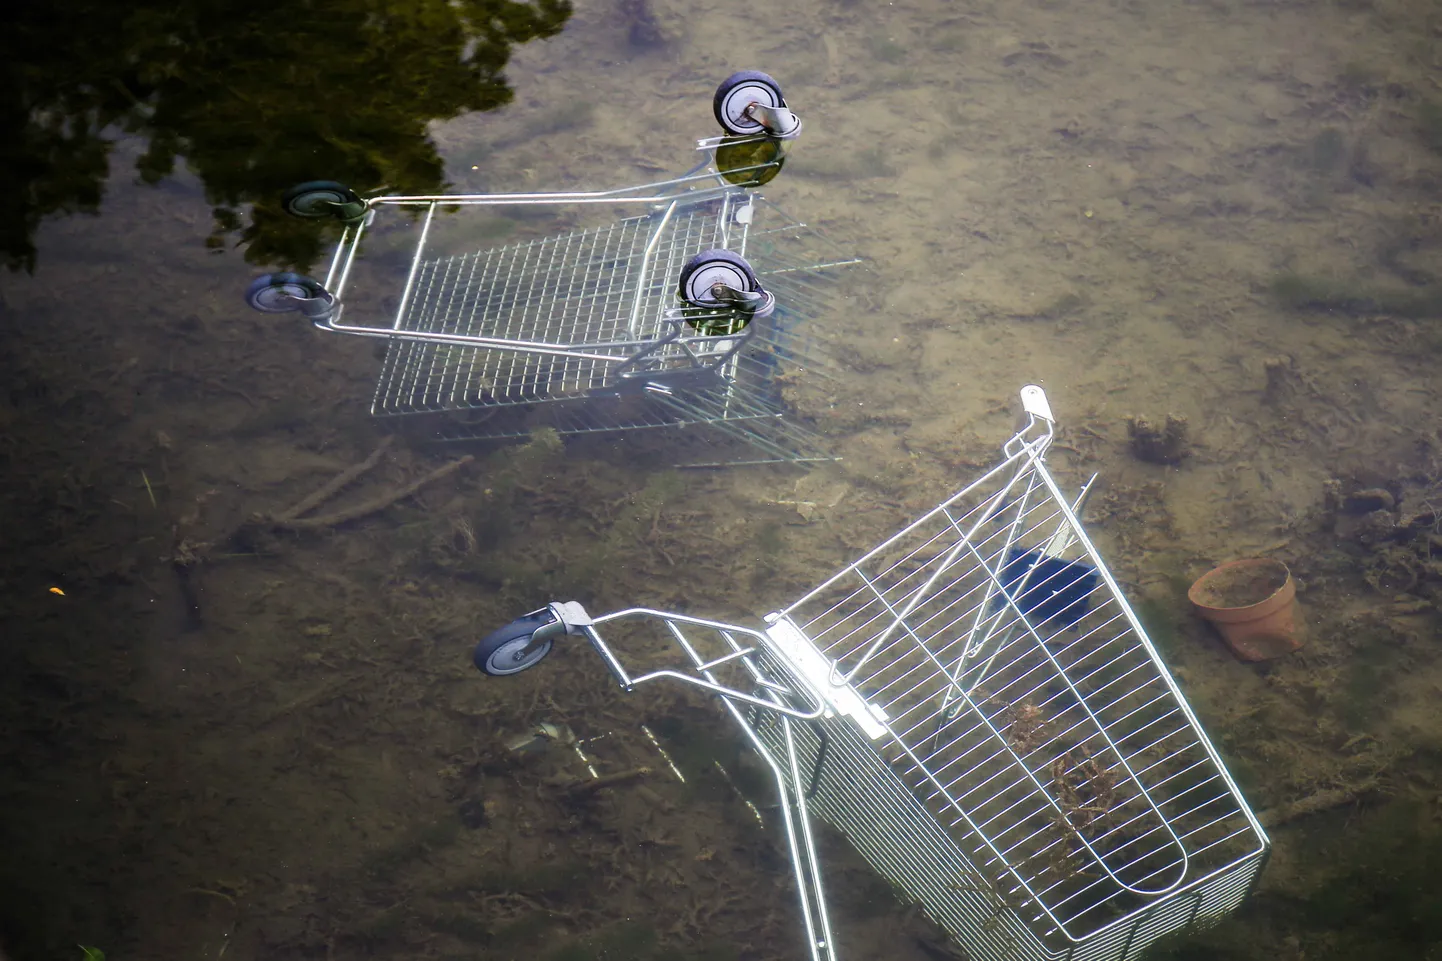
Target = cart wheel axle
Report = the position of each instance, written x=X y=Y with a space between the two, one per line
x=737 y=93
x=721 y=280
x=513 y=648
x=317 y=199
x=283 y=293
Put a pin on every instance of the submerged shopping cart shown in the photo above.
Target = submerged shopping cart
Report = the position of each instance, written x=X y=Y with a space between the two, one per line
x=697 y=309
x=976 y=707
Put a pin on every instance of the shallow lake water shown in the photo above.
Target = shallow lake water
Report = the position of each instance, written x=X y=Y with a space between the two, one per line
x=1212 y=231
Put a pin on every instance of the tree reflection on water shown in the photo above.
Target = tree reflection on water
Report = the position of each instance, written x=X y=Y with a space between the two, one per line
x=255 y=95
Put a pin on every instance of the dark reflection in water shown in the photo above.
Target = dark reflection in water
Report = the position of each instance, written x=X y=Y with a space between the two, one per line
x=256 y=95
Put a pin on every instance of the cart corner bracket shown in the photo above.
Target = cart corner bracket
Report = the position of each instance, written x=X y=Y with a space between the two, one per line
x=803 y=657
x=1034 y=402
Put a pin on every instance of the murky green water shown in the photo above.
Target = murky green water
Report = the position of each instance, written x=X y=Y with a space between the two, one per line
x=250 y=739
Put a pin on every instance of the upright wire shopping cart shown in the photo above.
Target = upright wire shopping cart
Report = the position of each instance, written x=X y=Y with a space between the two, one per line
x=976 y=707
x=694 y=310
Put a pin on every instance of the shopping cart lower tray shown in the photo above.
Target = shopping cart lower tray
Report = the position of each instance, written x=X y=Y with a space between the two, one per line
x=614 y=284
x=976 y=707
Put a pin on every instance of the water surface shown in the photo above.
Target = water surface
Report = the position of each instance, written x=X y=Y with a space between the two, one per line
x=1225 y=212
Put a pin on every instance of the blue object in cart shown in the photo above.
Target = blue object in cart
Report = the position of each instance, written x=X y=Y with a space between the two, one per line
x=1048 y=588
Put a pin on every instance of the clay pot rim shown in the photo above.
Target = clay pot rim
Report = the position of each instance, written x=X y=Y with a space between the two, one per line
x=1287 y=587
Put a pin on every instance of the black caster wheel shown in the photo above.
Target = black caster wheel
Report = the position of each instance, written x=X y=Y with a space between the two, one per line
x=739 y=91
x=512 y=649
x=317 y=199
x=283 y=293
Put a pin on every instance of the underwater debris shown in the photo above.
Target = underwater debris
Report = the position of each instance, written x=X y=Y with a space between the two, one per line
x=1158 y=444
x=1283 y=378
x=1400 y=528
x=1369 y=500
x=1026 y=730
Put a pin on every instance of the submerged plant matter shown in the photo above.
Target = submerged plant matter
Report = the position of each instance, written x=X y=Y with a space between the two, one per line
x=1301 y=292
x=1164 y=443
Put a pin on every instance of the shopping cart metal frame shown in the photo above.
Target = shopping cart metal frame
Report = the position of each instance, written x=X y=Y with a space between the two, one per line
x=482 y=331
x=667 y=195
x=975 y=705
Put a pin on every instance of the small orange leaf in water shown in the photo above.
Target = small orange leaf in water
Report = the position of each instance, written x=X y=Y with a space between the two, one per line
x=56 y=590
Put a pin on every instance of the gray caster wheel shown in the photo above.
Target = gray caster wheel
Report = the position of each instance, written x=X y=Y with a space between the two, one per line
x=739 y=91
x=317 y=199
x=283 y=293
x=513 y=648
x=710 y=268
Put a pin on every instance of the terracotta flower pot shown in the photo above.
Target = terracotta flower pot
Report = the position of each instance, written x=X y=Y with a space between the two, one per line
x=1253 y=604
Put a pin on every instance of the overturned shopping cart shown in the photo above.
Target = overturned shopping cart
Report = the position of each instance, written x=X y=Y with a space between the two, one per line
x=701 y=308
x=976 y=707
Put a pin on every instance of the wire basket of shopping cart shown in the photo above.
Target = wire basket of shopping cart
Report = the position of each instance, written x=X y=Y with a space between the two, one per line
x=695 y=309
x=976 y=707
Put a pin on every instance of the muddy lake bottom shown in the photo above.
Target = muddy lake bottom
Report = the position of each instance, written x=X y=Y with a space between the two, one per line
x=1211 y=231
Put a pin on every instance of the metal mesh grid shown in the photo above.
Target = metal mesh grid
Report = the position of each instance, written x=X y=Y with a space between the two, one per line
x=747 y=406
x=582 y=286
x=795 y=262
x=1030 y=717
x=855 y=790
x=578 y=287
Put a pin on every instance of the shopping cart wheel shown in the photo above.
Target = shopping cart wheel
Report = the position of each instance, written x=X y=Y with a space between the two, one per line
x=510 y=650
x=739 y=91
x=323 y=198
x=283 y=293
x=711 y=267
